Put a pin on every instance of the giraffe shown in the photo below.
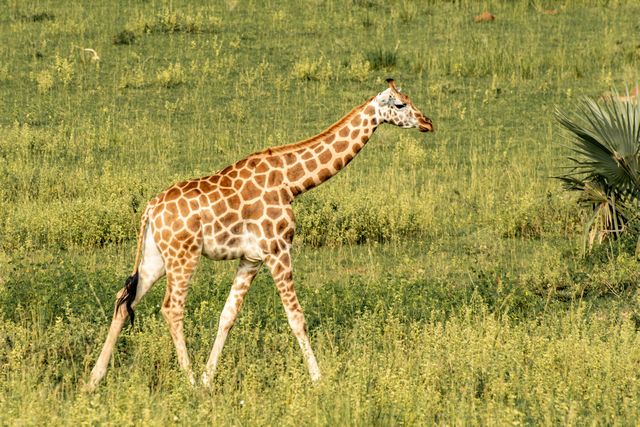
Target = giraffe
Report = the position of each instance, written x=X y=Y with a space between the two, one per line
x=244 y=212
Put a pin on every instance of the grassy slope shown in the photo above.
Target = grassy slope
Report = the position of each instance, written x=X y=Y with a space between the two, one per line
x=452 y=305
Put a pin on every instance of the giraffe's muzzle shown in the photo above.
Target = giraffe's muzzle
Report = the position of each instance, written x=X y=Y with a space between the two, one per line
x=425 y=124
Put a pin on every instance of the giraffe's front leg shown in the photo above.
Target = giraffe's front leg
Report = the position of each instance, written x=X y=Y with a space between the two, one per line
x=247 y=270
x=281 y=269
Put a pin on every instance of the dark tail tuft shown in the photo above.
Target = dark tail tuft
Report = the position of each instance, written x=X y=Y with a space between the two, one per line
x=129 y=295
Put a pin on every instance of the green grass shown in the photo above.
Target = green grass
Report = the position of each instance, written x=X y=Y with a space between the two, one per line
x=462 y=299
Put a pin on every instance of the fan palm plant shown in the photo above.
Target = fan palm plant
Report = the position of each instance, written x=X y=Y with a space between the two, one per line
x=605 y=168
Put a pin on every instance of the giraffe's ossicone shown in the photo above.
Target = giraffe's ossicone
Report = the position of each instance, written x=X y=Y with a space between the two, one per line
x=244 y=212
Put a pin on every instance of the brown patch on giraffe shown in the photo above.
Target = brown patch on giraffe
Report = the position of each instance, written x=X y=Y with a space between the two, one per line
x=365 y=122
x=251 y=163
x=233 y=174
x=374 y=121
x=158 y=222
x=179 y=238
x=267 y=228
x=205 y=186
x=245 y=173
x=250 y=191
x=309 y=183
x=172 y=194
x=344 y=131
x=324 y=174
x=277 y=269
x=170 y=210
x=311 y=165
x=329 y=139
x=285 y=196
x=260 y=180
x=225 y=182
x=340 y=146
x=338 y=164
x=307 y=155
x=288 y=235
x=262 y=167
x=194 y=204
x=219 y=208
x=356 y=120
x=281 y=227
x=275 y=162
x=226 y=170
x=274 y=213
x=347 y=158
x=271 y=198
x=165 y=235
x=240 y=164
x=319 y=149
x=234 y=241
x=288 y=276
x=183 y=206
x=253 y=210
x=229 y=218
x=290 y=158
x=295 y=172
x=237 y=184
x=370 y=110
x=193 y=223
x=355 y=133
x=325 y=156
x=275 y=178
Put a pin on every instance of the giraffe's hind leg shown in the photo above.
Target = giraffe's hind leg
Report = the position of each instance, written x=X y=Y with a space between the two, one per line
x=247 y=270
x=179 y=273
x=150 y=270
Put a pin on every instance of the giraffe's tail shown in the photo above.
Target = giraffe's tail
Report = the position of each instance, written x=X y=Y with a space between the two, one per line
x=131 y=284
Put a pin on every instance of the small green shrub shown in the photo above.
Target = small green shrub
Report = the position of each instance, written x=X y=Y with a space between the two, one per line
x=124 y=37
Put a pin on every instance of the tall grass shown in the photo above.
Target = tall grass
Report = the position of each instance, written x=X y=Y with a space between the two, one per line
x=441 y=274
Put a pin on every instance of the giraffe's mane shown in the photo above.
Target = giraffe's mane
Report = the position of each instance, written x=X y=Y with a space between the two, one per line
x=301 y=144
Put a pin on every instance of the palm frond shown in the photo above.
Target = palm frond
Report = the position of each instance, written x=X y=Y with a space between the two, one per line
x=605 y=163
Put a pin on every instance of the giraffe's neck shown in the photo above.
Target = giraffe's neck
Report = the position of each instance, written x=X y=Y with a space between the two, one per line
x=311 y=162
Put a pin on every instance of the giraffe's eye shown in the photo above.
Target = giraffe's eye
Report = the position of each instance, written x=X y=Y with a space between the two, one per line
x=399 y=106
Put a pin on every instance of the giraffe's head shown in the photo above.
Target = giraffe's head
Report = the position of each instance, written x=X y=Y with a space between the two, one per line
x=396 y=108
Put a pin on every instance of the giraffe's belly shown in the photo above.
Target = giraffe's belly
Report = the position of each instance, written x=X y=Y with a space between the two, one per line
x=223 y=244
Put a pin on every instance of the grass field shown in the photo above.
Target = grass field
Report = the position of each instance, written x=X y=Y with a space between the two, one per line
x=442 y=275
